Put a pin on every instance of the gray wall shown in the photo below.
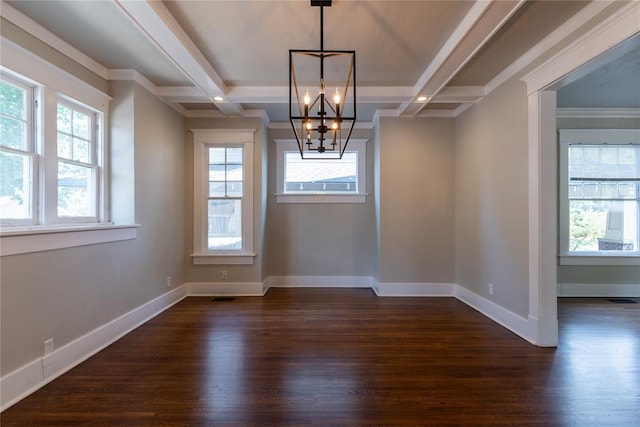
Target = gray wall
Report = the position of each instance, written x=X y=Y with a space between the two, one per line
x=622 y=274
x=415 y=200
x=491 y=194
x=236 y=273
x=29 y=42
x=320 y=239
x=64 y=294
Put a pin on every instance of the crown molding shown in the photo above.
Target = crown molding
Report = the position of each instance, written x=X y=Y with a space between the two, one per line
x=620 y=26
x=608 y=113
x=39 y=32
x=133 y=75
x=573 y=24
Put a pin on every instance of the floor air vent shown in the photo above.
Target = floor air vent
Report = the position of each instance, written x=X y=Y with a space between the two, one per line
x=224 y=299
x=622 y=300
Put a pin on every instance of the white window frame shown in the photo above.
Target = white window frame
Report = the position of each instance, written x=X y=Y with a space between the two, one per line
x=588 y=137
x=358 y=146
x=96 y=161
x=202 y=139
x=46 y=232
x=30 y=150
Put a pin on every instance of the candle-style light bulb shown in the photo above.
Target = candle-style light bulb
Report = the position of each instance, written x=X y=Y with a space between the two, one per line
x=336 y=97
x=309 y=125
x=335 y=125
x=307 y=101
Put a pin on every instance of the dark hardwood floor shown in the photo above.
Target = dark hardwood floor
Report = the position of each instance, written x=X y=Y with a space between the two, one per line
x=344 y=357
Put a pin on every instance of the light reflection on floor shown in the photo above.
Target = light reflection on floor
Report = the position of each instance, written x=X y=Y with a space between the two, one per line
x=603 y=354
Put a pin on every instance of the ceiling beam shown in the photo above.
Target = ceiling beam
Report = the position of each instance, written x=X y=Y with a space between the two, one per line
x=482 y=21
x=156 y=22
x=459 y=94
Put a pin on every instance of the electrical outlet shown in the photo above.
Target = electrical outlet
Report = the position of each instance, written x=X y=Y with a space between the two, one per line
x=224 y=274
x=168 y=281
x=48 y=346
x=490 y=288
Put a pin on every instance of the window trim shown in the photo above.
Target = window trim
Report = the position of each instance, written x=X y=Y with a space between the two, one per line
x=587 y=137
x=50 y=81
x=358 y=146
x=32 y=95
x=202 y=139
x=96 y=164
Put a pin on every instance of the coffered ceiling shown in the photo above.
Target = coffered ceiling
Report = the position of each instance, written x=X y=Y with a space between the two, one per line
x=188 y=52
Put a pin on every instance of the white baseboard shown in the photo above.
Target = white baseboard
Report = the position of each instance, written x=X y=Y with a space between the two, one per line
x=414 y=289
x=598 y=290
x=32 y=376
x=29 y=378
x=320 y=282
x=510 y=320
x=225 y=289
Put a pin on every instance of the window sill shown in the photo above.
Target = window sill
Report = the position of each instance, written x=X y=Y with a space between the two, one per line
x=321 y=198
x=238 y=258
x=23 y=240
x=596 y=259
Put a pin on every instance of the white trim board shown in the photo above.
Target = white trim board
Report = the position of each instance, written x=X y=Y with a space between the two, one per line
x=36 y=374
x=319 y=282
x=586 y=290
x=510 y=320
x=414 y=289
x=542 y=139
x=25 y=380
x=225 y=289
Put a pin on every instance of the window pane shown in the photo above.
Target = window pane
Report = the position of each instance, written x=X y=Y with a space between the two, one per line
x=216 y=189
x=64 y=145
x=12 y=132
x=327 y=175
x=64 y=119
x=81 y=123
x=627 y=190
x=610 y=161
x=234 y=173
x=216 y=156
x=603 y=225
x=234 y=156
x=234 y=189
x=216 y=172
x=81 y=150
x=12 y=100
x=15 y=186
x=225 y=224
x=75 y=191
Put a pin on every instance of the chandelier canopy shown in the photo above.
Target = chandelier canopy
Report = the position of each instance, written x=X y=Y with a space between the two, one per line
x=322 y=97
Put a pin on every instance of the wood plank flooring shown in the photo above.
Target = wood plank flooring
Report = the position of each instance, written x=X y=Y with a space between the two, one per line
x=344 y=357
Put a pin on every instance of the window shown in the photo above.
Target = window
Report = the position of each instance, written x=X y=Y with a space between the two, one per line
x=225 y=199
x=53 y=150
x=17 y=152
x=223 y=196
x=77 y=165
x=322 y=180
x=54 y=178
x=600 y=193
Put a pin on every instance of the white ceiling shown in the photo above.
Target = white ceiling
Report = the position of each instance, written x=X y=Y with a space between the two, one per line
x=191 y=51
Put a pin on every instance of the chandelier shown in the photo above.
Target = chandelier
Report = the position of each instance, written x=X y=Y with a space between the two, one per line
x=322 y=97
